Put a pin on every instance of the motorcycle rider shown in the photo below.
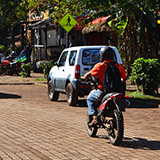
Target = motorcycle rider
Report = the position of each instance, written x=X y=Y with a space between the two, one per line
x=96 y=95
x=25 y=52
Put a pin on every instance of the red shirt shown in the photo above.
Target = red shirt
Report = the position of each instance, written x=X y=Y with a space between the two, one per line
x=99 y=69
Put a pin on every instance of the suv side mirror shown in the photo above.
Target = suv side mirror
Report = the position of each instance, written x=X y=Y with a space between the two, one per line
x=57 y=64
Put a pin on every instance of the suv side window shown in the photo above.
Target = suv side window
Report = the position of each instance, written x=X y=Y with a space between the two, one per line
x=72 y=58
x=62 y=60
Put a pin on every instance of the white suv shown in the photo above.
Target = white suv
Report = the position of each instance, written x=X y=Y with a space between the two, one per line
x=73 y=63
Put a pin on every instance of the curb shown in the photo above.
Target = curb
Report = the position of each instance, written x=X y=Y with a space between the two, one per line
x=17 y=83
x=24 y=83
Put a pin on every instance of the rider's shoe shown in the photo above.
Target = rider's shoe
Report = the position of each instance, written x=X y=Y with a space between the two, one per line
x=94 y=121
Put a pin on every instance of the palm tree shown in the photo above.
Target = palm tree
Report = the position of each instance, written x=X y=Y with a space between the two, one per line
x=135 y=20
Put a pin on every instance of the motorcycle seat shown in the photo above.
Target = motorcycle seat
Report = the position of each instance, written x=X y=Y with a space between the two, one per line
x=106 y=96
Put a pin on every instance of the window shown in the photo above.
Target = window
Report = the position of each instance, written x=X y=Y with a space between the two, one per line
x=72 y=58
x=90 y=56
x=62 y=60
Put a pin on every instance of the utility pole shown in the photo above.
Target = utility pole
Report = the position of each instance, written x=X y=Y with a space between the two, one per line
x=22 y=35
x=45 y=31
x=12 y=37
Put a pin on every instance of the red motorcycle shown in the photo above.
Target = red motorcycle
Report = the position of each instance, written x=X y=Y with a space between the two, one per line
x=9 y=68
x=110 y=117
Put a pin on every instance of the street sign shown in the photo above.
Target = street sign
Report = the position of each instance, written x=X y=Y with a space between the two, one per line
x=68 y=22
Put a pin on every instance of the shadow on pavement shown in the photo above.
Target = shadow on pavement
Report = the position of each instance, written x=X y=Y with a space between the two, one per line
x=102 y=136
x=136 y=143
x=82 y=103
x=140 y=143
x=146 y=103
x=8 y=96
x=62 y=100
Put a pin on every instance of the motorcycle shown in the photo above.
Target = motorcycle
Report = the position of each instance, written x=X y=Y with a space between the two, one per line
x=9 y=68
x=110 y=117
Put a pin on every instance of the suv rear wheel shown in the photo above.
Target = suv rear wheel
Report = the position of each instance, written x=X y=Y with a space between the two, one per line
x=52 y=94
x=72 y=97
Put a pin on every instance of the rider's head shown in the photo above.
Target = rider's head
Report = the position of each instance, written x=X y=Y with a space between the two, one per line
x=106 y=53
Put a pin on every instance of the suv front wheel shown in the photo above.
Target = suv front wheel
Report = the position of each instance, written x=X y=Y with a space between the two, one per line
x=72 y=97
x=52 y=94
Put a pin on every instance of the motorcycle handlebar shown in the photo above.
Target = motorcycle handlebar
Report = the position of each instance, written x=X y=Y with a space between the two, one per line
x=86 y=80
x=91 y=81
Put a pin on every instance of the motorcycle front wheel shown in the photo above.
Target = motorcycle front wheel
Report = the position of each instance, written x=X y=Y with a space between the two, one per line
x=92 y=131
x=117 y=127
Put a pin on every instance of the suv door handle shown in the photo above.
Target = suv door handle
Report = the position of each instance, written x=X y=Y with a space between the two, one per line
x=63 y=70
x=86 y=69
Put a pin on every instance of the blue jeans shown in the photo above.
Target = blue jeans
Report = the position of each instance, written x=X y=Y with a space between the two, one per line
x=95 y=96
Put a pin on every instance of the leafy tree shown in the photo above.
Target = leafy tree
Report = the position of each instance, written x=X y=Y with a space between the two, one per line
x=56 y=8
x=134 y=20
x=75 y=7
x=12 y=10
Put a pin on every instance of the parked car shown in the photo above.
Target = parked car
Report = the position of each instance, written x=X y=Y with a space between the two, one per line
x=73 y=63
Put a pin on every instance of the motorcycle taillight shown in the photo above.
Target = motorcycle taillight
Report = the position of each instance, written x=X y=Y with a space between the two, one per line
x=127 y=96
x=119 y=96
x=77 y=72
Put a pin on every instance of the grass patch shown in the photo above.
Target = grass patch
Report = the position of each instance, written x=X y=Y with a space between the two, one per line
x=142 y=96
x=41 y=79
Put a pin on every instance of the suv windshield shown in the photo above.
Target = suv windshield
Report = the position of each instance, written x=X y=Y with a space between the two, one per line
x=90 y=56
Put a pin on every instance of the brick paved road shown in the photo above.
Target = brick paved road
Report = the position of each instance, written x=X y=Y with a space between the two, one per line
x=33 y=128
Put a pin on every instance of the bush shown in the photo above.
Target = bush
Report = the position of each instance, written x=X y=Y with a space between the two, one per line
x=146 y=74
x=26 y=70
x=46 y=66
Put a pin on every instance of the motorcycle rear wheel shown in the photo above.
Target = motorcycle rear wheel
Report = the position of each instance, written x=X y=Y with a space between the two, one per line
x=92 y=131
x=116 y=136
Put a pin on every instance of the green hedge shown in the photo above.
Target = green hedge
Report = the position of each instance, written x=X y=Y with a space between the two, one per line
x=46 y=66
x=26 y=70
x=146 y=74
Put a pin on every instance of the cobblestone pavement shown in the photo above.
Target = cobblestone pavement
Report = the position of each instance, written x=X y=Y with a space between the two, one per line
x=33 y=128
